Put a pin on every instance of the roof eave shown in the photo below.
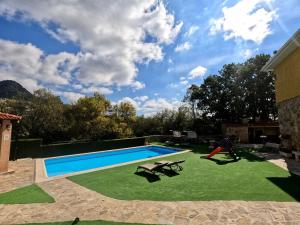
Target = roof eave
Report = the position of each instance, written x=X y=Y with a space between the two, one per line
x=292 y=44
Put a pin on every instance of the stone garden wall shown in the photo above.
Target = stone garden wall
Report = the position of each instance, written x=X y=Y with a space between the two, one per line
x=289 y=120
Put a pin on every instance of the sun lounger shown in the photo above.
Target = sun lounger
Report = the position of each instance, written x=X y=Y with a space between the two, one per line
x=152 y=168
x=171 y=164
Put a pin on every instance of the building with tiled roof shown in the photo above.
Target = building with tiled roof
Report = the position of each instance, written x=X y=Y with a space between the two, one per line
x=6 y=116
x=5 y=139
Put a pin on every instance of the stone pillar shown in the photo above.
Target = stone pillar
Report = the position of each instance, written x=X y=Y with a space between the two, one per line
x=289 y=120
x=5 y=139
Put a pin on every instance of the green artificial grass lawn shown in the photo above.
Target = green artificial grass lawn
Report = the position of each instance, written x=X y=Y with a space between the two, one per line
x=26 y=195
x=251 y=178
x=98 y=222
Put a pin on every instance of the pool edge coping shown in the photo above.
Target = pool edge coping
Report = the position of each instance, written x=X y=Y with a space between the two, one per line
x=40 y=174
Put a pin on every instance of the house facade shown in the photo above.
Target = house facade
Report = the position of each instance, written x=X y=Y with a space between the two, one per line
x=286 y=65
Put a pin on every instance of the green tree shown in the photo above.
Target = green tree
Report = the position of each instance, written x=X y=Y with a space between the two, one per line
x=21 y=108
x=238 y=91
x=125 y=112
x=259 y=89
x=89 y=116
x=46 y=115
x=123 y=118
x=192 y=98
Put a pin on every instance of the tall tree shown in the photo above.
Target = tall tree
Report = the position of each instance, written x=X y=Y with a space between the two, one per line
x=238 y=91
x=259 y=89
x=90 y=116
x=46 y=113
x=192 y=98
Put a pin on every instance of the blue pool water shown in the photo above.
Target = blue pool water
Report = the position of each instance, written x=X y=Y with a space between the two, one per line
x=70 y=164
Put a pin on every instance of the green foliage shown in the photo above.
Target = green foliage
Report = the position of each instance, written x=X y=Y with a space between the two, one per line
x=26 y=195
x=47 y=117
x=89 y=116
x=95 y=118
x=238 y=91
x=163 y=122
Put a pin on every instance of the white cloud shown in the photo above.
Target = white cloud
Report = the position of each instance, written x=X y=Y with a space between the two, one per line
x=111 y=36
x=248 y=20
x=138 y=85
x=28 y=65
x=141 y=98
x=191 y=31
x=77 y=86
x=151 y=106
x=57 y=68
x=160 y=21
x=130 y=100
x=199 y=71
x=20 y=60
x=184 y=82
x=70 y=96
x=93 y=89
x=183 y=47
x=173 y=85
x=248 y=53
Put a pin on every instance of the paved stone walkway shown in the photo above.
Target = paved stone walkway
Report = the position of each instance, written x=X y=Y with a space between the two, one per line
x=287 y=164
x=23 y=175
x=74 y=201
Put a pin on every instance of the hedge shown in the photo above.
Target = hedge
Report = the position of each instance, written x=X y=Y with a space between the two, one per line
x=33 y=148
x=24 y=148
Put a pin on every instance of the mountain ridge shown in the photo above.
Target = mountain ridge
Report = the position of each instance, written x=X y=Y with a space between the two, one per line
x=10 y=89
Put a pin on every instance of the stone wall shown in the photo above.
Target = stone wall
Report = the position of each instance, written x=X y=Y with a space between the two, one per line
x=289 y=120
x=241 y=132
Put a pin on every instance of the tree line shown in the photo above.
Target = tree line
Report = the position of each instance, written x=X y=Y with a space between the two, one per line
x=47 y=117
x=239 y=91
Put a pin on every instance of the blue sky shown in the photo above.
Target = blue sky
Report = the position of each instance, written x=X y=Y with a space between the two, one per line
x=143 y=51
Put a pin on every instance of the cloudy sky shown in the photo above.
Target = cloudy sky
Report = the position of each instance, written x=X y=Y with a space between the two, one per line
x=143 y=51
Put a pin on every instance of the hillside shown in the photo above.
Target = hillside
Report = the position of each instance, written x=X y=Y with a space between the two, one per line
x=13 y=90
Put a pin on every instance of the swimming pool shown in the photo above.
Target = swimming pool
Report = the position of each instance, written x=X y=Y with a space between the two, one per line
x=76 y=163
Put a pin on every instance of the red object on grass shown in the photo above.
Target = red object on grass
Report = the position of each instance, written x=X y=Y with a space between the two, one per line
x=217 y=150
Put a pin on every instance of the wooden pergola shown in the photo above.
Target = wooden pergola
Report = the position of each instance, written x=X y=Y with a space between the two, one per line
x=5 y=139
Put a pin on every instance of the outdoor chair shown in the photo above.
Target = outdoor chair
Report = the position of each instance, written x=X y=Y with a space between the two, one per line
x=152 y=168
x=172 y=165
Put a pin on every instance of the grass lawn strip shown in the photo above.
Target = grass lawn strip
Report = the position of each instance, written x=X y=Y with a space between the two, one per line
x=26 y=195
x=250 y=179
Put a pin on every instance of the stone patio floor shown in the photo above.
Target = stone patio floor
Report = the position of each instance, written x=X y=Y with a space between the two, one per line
x=287 y=164
x=73 y=201
x=23 y=175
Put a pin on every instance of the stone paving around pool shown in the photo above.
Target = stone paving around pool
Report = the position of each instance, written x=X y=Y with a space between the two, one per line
x=73 y=201
x=22 y=175
x=285 y=163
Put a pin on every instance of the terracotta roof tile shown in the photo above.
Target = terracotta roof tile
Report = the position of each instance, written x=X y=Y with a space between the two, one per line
x=6 y=116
